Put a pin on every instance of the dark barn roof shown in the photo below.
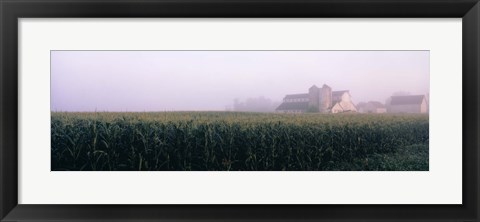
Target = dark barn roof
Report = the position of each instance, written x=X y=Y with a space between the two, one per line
x=406 y=100
x=293 y=106
x=297 y=96
x=305 y=95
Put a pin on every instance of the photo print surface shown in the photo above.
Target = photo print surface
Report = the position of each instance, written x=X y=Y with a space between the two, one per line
x=240 y=110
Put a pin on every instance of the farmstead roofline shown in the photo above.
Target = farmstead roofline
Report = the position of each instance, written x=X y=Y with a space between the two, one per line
x=318 y=100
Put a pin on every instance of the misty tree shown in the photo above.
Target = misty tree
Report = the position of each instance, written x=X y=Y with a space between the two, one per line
x=258 y=104
x=401 y=93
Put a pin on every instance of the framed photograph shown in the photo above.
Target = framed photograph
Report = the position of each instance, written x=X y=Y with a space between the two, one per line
x=223 y=110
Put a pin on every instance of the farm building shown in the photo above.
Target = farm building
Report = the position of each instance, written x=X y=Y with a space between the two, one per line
x=371 y=107
x=322 y=100
x=408 y=104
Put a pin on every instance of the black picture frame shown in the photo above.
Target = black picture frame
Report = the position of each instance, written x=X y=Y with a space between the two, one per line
x=12 y=10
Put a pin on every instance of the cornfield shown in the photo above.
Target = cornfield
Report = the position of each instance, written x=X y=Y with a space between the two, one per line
x=222 y=141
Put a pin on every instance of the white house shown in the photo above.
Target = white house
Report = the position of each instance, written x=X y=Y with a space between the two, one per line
x=342 y=102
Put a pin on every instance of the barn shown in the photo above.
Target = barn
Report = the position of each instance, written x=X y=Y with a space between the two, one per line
x=408 y=104
x=322 y=100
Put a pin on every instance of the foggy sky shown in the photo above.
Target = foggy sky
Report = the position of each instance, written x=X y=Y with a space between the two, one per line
x=211 y=80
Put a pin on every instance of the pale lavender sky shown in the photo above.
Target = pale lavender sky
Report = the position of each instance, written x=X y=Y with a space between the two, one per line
x=211 y=80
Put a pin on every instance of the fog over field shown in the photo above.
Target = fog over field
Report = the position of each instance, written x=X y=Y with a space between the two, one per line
x=214 y=80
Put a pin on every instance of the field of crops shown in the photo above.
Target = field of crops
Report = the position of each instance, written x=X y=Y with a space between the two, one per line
x=218 y=141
